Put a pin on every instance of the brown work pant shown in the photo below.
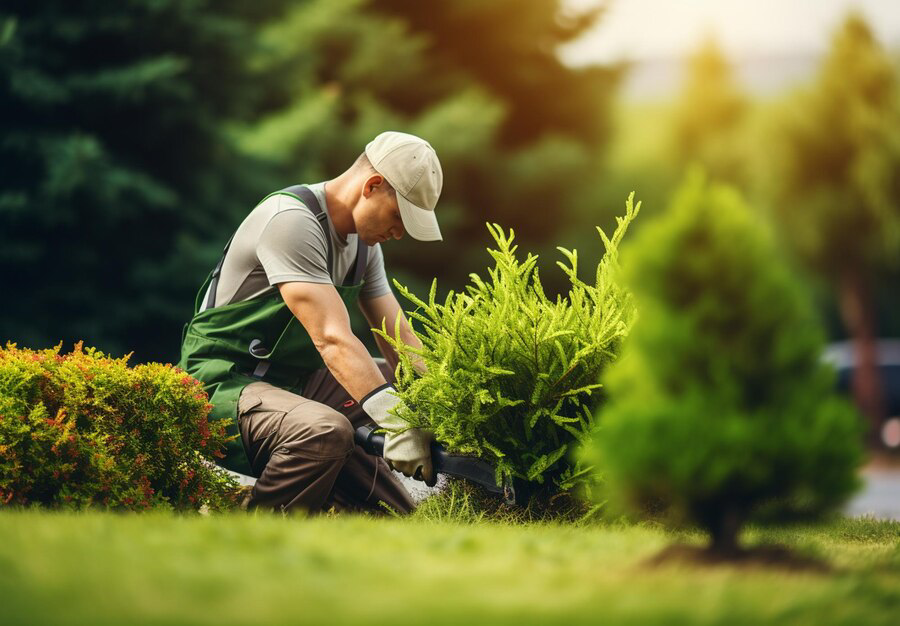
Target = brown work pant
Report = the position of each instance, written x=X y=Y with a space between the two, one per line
x=301 y=450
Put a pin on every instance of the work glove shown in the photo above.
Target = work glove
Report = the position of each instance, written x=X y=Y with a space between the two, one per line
x=408 y=451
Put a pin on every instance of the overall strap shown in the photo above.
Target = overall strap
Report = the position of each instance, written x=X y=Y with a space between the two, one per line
x=362 y=254
x=362 y=250
x=214 y=280
x=312 y=203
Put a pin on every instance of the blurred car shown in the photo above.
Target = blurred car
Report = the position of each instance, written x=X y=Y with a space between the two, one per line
x=842 y=356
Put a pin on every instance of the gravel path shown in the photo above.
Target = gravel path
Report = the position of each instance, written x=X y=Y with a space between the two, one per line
x=880 y=497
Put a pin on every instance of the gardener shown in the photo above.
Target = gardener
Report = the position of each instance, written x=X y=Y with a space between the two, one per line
x=271 y=340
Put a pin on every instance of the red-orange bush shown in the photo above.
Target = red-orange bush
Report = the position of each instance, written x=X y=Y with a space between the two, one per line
x=84 y=429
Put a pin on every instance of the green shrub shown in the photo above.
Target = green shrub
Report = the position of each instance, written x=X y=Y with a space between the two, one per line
x=83 y=429
x=720 y=409
x=512 y=375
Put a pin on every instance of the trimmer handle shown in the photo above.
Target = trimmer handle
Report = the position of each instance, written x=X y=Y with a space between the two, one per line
x=373 y=444
x=365 y=437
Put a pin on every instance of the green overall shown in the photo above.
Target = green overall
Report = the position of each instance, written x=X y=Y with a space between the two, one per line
x=230 y=346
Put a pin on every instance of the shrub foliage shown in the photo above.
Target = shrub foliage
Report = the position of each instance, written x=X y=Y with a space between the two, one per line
x=720 y=409
x=511 y=374
x=84 y=429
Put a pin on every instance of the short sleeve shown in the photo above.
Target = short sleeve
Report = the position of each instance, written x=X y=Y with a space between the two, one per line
x=292 y=248
x=376 y=282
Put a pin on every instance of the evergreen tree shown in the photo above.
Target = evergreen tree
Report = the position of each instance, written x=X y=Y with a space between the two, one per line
x=709 y=115
x=837 y=186
x=510 y=48
x=116 y=164
x=720 y=410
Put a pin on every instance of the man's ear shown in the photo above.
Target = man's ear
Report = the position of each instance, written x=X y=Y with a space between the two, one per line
x=373 y=183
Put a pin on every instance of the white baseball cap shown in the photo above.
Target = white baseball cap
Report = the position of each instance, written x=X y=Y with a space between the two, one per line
x=412 y=168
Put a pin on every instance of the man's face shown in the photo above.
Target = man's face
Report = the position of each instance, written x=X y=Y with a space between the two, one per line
x=377 y=217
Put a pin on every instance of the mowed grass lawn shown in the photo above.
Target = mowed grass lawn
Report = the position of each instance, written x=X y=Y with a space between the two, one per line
x=95 y=568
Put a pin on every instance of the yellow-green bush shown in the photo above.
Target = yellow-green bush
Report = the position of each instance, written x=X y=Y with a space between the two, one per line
x=512 y=375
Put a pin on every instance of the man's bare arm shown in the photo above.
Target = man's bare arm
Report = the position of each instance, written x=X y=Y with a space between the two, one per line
x=321 y=311
x=386 y=308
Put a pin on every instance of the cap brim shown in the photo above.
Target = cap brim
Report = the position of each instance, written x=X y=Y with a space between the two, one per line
x=420 y=223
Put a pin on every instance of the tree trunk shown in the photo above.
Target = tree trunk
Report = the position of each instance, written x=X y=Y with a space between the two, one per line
x=857 y=310
x=724 y=528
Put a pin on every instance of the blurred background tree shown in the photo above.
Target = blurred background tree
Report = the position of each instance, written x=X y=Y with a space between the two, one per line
x=137 y=136
x=817 y=152
x=510 y=48
x=519 y=134
x=708 y=115
x=115 y=163
x=835 y=182
x=720 y=410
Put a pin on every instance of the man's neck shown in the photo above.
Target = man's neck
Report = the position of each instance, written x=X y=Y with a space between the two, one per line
x=341 y=195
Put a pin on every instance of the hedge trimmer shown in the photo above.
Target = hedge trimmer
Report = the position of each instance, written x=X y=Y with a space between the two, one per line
x=514 y=491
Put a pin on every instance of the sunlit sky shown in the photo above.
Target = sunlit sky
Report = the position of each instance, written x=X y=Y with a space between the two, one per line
x=654 y=29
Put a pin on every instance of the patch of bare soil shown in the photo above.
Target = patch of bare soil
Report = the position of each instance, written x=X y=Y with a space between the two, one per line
x=774 y=557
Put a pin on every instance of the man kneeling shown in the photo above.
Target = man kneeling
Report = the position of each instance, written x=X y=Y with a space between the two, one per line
x=270 y=338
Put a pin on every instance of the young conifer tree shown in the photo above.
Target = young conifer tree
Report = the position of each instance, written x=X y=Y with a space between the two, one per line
x=720 y=410
x=512 y=376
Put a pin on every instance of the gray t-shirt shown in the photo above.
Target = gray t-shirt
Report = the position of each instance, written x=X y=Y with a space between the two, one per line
x=281 y=241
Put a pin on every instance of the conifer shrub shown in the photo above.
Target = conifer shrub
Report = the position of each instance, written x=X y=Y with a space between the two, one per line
x=85 y=430
x=512 y=376
x=720 y=410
